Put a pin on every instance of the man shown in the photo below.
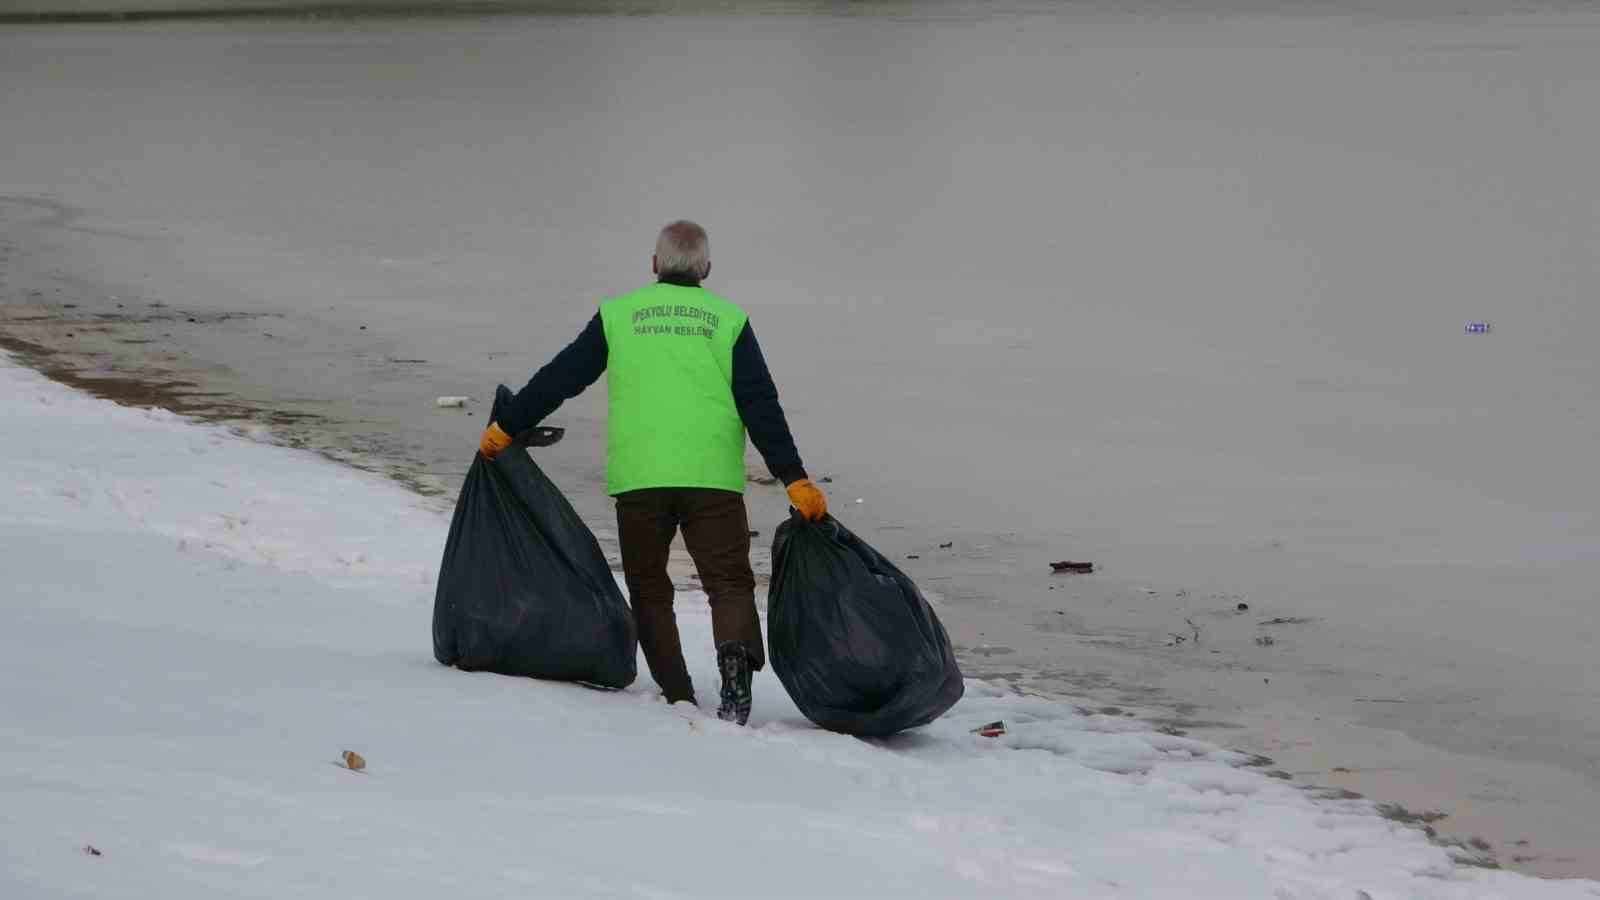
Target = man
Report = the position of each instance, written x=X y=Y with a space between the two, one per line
x=687 y=379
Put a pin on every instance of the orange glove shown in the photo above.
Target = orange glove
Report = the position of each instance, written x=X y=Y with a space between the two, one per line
x=808 y=499
x=494 y=440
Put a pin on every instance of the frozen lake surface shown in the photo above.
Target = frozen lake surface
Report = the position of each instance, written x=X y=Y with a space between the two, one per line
x=1179 y=291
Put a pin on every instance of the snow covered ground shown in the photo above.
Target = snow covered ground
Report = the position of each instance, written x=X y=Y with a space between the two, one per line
x=198 y=623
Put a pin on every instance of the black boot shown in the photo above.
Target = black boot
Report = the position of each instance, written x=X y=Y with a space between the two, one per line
x=734 y=663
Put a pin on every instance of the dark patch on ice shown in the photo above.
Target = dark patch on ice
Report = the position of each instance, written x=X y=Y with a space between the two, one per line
x=1009 y=677
x=990 y=651
x=1323 y=792
x=336 y=10
x=141 y=384
x=171 y=393
x=1186 y=724
x=189 y=318
x=1394 y=812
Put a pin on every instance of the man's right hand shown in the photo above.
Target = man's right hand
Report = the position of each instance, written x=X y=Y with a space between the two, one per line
x=808 y=499
x=493 y=441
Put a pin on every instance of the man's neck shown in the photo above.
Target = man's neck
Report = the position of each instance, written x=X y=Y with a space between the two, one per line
x=677 y=278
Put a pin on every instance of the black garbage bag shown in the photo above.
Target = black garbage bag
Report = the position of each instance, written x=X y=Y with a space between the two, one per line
x=524 y=588
x=852 y=639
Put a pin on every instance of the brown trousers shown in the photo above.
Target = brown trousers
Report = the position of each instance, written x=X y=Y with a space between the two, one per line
x=716 y=530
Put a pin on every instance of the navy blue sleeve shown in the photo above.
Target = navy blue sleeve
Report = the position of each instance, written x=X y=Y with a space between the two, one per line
x=757 y=399
x=575 y=368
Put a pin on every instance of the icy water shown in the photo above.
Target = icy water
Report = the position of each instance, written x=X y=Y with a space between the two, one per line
x=1180 y=291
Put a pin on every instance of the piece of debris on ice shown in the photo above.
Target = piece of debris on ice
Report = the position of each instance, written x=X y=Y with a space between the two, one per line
x=1070 y=566
x=451 y=402
x=993 y=729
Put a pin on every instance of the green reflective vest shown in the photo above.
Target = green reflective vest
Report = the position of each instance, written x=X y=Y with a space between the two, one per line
x=669 y=367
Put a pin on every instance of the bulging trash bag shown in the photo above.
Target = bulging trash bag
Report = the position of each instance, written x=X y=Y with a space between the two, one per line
x=852 y=639
x=524 y=588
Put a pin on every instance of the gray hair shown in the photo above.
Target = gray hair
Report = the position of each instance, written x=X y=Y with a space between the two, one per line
x=683 y=249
